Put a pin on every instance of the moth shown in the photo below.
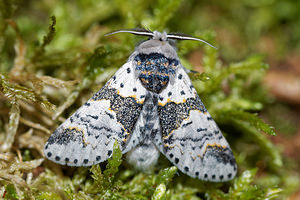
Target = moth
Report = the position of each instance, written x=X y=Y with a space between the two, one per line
x=149 y=107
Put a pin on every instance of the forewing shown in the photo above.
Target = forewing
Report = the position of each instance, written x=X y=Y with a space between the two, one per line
x=190 y=137
x=87 y=137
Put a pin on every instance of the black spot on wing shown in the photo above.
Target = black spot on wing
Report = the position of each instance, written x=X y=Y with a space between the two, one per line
x=126 y=108
x=93 y=116
x=221 y=154
x=209 y=118
x=172 y=114
x=195 y=140
x=187 y=124
x=64 y=136
x=201 y=129
x=109 y=115
x=186 y=169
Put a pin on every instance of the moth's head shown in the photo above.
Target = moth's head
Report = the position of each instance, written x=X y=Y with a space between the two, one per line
x=162 y=37
x=159 y=42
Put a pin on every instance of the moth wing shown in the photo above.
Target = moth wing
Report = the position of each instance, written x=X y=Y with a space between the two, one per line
x=87 y=137
x=190 y=138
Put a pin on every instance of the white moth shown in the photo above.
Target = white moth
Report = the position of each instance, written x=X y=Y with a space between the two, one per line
x=148 y=106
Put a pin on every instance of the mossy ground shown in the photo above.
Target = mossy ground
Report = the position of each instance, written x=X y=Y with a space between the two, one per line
x=54 y=56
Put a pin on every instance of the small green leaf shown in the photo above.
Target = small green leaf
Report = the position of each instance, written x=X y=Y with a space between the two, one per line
x=103 y=183
x=113 y=164
x=160 y=192
x=165 y=175
x=250 y=118
x=98 y=180
x=46 y=39
x=17 y=92
x=242 y=182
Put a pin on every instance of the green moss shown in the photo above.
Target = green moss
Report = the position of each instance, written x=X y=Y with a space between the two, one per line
x=11 y=193
x=62 y=60
x=46 y=39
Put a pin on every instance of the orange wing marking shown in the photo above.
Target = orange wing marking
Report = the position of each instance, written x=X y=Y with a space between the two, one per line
x=172 y=146
x=85 y=142
x=169 y=100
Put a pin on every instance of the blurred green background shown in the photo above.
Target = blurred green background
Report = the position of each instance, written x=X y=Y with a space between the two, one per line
x=51 y=65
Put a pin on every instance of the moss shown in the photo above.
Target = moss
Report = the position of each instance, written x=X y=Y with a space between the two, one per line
x=10 y=192
x=51 y=65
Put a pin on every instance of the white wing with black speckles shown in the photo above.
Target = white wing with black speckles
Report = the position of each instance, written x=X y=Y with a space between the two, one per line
x=87 y=137
x=190 y=138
